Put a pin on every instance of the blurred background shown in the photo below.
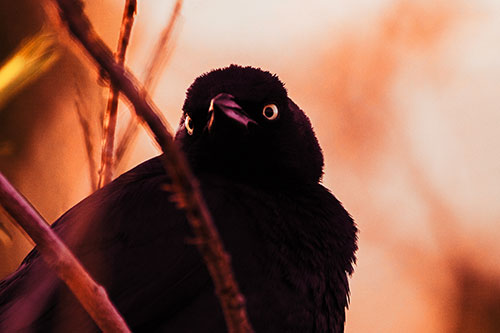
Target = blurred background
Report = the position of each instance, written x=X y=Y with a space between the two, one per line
x=404 y=98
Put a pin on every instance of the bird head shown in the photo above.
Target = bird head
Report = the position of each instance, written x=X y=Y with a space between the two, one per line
x=239 y=122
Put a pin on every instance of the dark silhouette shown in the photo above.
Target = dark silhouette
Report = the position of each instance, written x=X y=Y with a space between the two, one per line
x=259 y=165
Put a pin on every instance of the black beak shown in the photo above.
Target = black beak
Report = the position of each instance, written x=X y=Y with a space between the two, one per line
x=223 y=106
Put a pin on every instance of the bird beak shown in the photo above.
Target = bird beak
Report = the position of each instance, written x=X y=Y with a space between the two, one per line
x=224 y=106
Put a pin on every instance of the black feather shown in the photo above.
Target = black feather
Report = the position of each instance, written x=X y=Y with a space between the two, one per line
x=291 y=242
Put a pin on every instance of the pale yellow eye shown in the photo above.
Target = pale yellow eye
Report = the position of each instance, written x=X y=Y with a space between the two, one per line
x=188 y=123
x=270 y=111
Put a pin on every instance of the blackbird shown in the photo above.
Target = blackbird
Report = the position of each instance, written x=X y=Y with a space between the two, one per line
x=259 y=165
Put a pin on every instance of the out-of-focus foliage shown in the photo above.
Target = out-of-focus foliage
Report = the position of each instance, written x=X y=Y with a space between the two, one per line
x=33 y=57
x=42 y=150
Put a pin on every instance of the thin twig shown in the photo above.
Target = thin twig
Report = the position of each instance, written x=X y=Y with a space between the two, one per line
x=184 y=184
x=107 y=163
x=89 y=147
x=92 y=296
x=5 y=234
x=156 y=65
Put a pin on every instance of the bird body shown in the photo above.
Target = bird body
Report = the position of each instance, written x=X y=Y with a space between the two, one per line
x=291 y=242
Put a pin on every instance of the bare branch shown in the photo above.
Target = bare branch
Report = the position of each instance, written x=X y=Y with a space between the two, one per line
x=5 y=234
x=92 y=296
x=160 y=53
x=155 y=66
x=89 y=147
x=184 y=185
x=107 y=163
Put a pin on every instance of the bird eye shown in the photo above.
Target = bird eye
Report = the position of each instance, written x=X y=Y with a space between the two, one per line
x=188 y=123
x=270 y=111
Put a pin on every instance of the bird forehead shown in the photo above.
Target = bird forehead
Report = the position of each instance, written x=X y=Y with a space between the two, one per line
x=246 y=84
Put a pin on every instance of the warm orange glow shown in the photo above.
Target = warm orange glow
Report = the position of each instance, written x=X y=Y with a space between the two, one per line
x=404 y=99
x=32 y=58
